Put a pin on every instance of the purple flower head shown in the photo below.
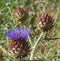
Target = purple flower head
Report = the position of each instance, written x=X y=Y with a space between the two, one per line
x=18 y=33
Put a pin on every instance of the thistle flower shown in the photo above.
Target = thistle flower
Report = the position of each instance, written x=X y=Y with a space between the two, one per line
x=19 y=13
x=18 y=33
x=45 y=21
x=18 y=44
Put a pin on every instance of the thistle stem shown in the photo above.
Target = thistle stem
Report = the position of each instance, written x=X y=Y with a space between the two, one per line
x=3 y=49
x=11 y=14
x=56 y=15
x=34 y=47
x=30 y=40
x=5 y=52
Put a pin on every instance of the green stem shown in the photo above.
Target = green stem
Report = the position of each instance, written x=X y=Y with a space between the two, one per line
x=5 y=52
x=11 y=14
x=34 y=47
x=30 y=40
x=56 y=15
x=16 y=2
x=3 y=49
x=46 y=3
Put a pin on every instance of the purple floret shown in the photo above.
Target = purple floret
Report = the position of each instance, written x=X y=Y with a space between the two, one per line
x=18 y=33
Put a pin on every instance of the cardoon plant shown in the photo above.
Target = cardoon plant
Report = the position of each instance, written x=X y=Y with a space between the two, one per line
x=18 y=44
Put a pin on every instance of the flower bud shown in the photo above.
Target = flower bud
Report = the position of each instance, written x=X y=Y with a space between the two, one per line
x=19 y=14
x=45 y=21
